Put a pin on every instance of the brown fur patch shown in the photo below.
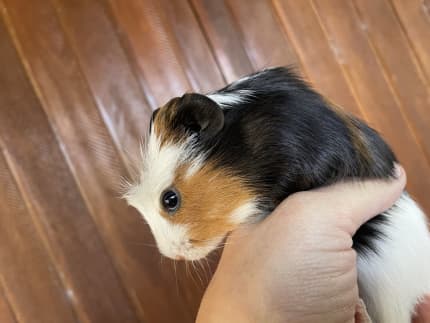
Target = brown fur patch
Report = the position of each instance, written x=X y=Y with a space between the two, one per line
x=163 y=121
x=207 y=200
x=357 y=137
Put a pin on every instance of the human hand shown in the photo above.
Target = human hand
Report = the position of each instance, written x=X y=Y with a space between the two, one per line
x=298 y=265
x=423 y=311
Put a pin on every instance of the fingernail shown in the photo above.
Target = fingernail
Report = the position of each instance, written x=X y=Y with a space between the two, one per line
x=397 y=170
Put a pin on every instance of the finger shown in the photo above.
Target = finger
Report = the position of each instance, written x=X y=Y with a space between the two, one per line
x=356 y=202
x=361 y=315
x=423 y=312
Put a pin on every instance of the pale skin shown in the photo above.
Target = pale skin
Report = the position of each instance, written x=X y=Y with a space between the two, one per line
x=297 y=266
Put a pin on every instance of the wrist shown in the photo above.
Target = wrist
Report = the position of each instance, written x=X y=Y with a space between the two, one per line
x=220 y=306
x=229 y=302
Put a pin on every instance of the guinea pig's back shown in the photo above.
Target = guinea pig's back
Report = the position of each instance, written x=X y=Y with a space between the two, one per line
x=285 y=137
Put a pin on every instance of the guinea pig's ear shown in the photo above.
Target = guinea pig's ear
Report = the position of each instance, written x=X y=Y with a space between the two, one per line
x=199 y=115
x=151 y=121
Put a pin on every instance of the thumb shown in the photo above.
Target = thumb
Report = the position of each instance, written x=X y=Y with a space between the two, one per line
x=423 y=311
x=352 y=203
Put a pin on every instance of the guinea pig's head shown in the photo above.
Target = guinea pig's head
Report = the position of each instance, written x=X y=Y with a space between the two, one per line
x=189 y=200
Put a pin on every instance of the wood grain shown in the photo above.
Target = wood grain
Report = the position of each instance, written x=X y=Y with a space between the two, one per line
x=319 y=59
x=262 y=35
x=414 y=15
x=225 y=38
x=399 y=64
x=110 y=74
x=56 y=205
x=382 y=108
x=198 y=59
x=155 y=53
x=23 y=255
x=78 y=83
x=6 y=314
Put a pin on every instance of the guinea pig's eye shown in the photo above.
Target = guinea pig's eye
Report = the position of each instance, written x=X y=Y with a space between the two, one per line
x=170 y=200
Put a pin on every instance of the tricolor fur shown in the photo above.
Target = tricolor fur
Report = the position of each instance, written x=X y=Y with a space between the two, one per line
x=232 y=156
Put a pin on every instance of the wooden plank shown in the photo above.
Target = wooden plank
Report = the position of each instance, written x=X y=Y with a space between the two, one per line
x=199 y=61
x=98 y=170
x=263 y=38
x=320 y=59
x=414 y=16
x=399 y=63
x=374 y=93
x=224 y=36
x=153 y=46
x=27 y=274
x=6 y=314
x=41 y=170
x=110 y=75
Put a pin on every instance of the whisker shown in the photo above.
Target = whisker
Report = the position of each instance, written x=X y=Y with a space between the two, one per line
x=192 y=277
x=186 y=269
x=143 y=244
x=204 y=271
x=209 y=268
x=176 y=277
x=197 y=273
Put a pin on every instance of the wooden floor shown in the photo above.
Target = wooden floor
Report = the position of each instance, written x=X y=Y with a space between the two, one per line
x=77 y=84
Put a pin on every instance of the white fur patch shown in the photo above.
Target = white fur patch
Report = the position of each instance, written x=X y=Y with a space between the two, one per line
x=157 y=174
x=195 y=165
x=246 y=213
x=196 y=253
x=393 y=281
x=224 y=99
x=159 y=164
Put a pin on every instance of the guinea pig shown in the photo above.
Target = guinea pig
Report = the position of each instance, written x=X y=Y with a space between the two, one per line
x=213 y=162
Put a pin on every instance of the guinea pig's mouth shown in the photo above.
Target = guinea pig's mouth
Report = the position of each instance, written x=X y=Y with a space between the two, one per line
x=190 y=250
